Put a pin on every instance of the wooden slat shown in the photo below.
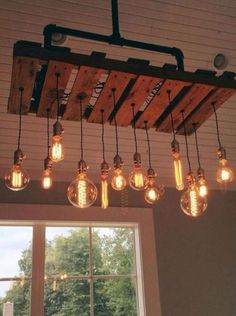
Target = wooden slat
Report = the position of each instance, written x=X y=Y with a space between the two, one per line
x=159 y=103
x=48 y=93
x=188 y=103
x=85 y=82
x=138 y=94
x=119 y=81
x=205 y=109
x=24 y=72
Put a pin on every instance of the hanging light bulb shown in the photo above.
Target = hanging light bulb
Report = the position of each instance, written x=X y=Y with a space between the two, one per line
x=202 y=184
x=179 y=183
x=17 y=178
x=224 y=174
x=104 y=185
x=57 y=148
x=82 y=193
x=191 y=202
x=46 y=181
x=118 y=181
x=152 y=192
x=137 y=179
x=104 y=172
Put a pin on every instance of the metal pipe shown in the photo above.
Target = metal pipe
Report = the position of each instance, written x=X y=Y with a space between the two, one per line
x=114 y=39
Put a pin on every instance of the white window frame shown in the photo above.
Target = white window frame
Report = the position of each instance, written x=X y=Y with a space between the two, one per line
x=40 y=216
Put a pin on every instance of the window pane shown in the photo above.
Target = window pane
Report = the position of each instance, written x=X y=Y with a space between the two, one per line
x=116 y=297
x=113 y=251
x=66 y=266
x=66 y=298
x=15 y=269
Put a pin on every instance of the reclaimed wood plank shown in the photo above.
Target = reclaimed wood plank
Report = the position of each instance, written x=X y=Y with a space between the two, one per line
x=48 y=94
x=188 y=103
x=159 y=103
x=24 y=72
x=119 y=81
x=138 y=94
x=201 y=113
x=84 y=85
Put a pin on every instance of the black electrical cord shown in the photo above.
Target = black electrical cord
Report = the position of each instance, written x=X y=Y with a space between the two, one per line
x=58 y=99
x=103 y=142
x=171 y=116
x=48 y=131
x=116 y=129
x=20 y=116
x=197 y=147
x=81 y=128
x=186 y=142
x=217 y=124
x=148 y=143
x=134 y=128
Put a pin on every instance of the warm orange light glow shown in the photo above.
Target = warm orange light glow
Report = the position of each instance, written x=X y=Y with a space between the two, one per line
x=46 y=179
x=57 y=149
x=17 y=179
x=104 y=194
x=178 y=174
x=118 y=182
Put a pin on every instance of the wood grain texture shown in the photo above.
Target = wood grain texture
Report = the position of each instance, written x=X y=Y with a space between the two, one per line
x=138 y=94
x=119 y=81
x=24 y=72
x=85 y=83
x=188 y=103
x=205 y=109
x=48 y=94
x=160 y=102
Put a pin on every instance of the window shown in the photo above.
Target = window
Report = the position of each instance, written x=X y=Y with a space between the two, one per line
x=15 y=269
x=101 y=274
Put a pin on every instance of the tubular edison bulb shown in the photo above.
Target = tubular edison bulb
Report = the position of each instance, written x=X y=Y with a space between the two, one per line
x=57 y=148
x=17 y=178
x=192 y=203
x=46 y=179
x=104 y=185
x=202 y=185
x=82 y=192
x=118 y=181
x=179 y=183
x=137 y=180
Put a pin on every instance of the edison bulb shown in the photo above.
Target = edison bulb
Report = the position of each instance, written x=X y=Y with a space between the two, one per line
x=104 y=194
x=202 y=187
x=192 y=203
x=118 y=181
x=17 y=179
x=57 y=149
x=224 y=174
x=179 y=183
x=82 y=192
x=137 y=179
x=152 y=195
x=46 y=181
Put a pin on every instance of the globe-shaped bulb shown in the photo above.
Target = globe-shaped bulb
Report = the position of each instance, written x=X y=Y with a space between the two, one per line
x=118 y=181
x=57 y=149
x=137 y=179
x=192 y=203
x=152 y=195
x=224 y=174
x=46 y=181
x=82 y=192
x=17 y=178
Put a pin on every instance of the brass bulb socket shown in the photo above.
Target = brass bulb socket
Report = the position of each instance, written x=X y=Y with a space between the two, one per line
x=221 y=153
x=18 y=156
x=175 y=147
x=47 y=163
x=82 y=166
x=137 y=159
x=57 y=128
x=118 y=162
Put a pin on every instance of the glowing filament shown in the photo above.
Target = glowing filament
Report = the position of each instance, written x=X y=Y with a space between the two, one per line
x=104 y=196
x=178 y=174
x=225 y=175
x=138 y=179
x=16 y=179
x=82 y=193
x=57 y=150
x=193 y=202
